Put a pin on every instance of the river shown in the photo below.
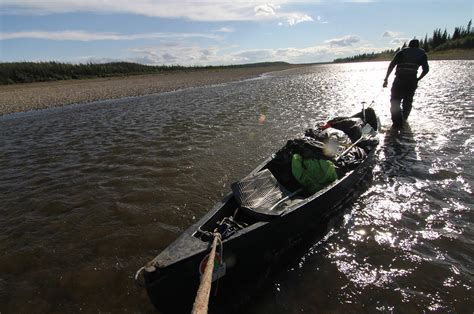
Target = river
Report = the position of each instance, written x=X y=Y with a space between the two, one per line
x=90 y=192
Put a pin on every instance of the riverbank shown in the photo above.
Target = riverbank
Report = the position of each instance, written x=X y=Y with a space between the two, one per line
x=32 y=96
x=452 y=54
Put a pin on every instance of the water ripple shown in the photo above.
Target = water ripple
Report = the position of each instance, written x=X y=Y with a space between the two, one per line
x=90 y=192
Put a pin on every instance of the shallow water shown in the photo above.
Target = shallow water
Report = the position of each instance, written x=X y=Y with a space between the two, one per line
x=89 y=193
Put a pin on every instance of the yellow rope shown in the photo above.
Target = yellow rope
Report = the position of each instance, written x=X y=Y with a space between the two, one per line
x=202 y=298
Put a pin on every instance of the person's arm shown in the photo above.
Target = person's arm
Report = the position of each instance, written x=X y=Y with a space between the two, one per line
x=425 y=67
x=390 y=68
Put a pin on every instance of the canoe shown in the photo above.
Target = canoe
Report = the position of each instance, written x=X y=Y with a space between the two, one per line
x=265 y=215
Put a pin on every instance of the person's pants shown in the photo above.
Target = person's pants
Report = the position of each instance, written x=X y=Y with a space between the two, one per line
x=403 y=90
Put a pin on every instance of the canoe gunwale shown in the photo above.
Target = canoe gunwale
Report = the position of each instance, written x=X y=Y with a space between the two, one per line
x=263 y=240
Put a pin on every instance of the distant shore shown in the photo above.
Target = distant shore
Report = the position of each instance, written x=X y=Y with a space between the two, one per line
x=452 y=54
x=31 y=96
x=43 y=95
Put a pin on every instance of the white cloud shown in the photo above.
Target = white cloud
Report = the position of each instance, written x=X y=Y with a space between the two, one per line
x=197 y=10
x=321 y=20
x=395 y=38
x=225 y=30
x=265 y=10
x=289 y=18
x=295 y=18
x=391 y=34
x=78 y=35
x=173 y=54
x=344 y=41
x=177 y=53
x=399 y=41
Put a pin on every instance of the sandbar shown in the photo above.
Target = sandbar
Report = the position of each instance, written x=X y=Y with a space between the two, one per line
x=43 y=95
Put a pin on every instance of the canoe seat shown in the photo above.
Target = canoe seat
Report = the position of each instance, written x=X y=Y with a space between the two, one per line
x=260 y=194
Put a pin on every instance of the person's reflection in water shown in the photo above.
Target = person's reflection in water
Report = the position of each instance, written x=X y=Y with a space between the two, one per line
x=399 y=151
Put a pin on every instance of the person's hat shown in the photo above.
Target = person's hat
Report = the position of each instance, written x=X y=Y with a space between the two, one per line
x=414 y=43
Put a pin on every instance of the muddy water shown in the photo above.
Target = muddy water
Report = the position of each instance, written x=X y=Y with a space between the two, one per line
x=89 y=193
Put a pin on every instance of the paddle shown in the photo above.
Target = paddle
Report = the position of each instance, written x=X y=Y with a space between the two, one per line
x=366 y=130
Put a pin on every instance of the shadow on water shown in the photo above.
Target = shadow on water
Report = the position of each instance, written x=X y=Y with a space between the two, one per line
x=399 y=150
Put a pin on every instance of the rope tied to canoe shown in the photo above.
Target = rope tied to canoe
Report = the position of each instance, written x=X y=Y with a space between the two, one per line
x=201 y=301
x=139 y=279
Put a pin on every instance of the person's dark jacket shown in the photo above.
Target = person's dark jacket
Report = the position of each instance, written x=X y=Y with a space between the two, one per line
x=408 y=60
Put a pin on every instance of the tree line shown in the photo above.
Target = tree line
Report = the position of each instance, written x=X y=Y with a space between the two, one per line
x=462 y=38
x=28 y=72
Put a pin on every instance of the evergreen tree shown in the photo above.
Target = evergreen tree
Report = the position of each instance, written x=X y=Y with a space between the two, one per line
x=426 y=44
x=457 y=33
x=444 y=38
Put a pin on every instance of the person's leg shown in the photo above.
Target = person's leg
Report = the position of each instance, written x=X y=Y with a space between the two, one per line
x=395 y=102
x=407 y=104
x=396 y=112
x=410 y=89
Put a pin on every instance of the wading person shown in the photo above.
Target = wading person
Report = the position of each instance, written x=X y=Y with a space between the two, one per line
x=406 y=81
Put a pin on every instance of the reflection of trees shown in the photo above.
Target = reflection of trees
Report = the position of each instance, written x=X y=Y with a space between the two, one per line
x=399 y=151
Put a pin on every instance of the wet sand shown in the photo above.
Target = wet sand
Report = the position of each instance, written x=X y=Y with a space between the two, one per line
x=24 y=97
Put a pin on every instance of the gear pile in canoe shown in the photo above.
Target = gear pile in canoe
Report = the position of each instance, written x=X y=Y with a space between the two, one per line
x=267 y=213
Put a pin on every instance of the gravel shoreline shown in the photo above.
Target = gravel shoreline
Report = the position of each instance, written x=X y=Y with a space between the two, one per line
x=31 y=96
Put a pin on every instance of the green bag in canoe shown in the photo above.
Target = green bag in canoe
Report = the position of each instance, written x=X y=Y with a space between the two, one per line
x=313 y=174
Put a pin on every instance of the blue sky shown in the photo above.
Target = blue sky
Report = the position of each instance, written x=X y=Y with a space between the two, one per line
x=205 y=32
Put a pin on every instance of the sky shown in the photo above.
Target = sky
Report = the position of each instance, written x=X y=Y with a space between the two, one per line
x=216 y=32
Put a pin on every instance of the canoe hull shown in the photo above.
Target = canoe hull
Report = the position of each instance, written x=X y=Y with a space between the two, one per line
x=249 y=254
